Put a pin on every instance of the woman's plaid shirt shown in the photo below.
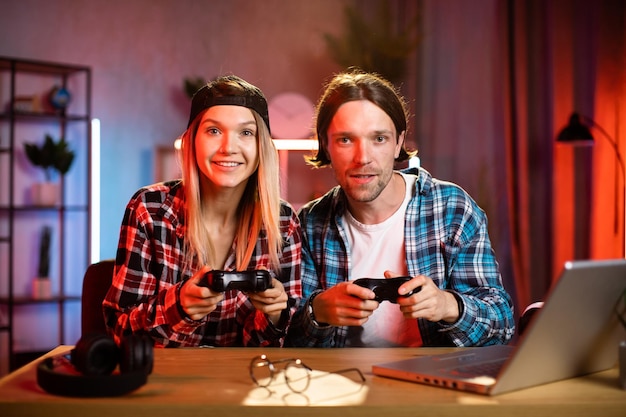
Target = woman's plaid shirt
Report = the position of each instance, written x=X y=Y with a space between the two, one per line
x=150 y=269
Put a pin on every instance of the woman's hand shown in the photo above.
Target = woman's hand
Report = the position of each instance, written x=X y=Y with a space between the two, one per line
x=198 y=301
x=271 y=301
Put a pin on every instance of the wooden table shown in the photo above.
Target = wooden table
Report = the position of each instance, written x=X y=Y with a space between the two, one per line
x=196 y=382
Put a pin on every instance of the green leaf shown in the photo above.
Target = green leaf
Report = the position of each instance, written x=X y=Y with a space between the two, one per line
x=51 y=156
x=191 y=85
x=374 y=46
x=43 y=270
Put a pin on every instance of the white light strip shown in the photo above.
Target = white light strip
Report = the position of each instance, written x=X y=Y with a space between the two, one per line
x=296 y=144
x=281 y=144
x=414 y=162
x=95 y=191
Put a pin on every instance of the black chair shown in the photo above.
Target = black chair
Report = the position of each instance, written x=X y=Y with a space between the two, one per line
x=527 y=315
x=96 y=283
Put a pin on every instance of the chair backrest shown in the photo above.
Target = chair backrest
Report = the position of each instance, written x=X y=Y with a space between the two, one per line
x=96 y=283
x=527 y=316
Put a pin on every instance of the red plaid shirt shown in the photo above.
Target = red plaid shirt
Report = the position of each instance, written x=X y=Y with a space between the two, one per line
x=150 y=269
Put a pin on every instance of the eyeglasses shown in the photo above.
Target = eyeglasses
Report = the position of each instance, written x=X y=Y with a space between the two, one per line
x=297 y=374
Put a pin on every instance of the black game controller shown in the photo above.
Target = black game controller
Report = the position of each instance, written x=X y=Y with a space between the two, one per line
x=386 y=289
x=248 y=281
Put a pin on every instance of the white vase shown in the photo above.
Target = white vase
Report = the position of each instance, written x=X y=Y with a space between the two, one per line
x=45 y=194
x=42 y=288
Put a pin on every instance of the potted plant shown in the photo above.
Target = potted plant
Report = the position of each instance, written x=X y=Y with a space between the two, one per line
x=53 y=157
x=193 y=84
x=384 y=50
x=41 y=284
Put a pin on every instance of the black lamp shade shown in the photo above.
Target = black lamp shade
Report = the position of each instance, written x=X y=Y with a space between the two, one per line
x=575 y=131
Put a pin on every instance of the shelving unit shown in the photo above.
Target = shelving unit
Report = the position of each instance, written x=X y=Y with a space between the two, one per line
x=27 y=323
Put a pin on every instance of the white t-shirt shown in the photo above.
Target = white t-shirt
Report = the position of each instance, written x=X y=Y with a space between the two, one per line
x=376 y=248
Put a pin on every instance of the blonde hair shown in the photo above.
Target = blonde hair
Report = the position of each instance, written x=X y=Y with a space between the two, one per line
x=258 y=209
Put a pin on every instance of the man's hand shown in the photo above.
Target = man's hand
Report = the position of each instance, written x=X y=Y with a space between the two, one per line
x=431 y=303
x=345 y=304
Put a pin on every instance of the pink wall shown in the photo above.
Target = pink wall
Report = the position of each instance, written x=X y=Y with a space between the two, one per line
x=457 y=86
x=141 y=50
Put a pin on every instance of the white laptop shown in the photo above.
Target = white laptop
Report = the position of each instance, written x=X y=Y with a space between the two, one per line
x=577 y=332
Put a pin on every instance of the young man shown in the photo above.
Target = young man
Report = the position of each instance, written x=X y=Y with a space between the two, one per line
x=384 y=223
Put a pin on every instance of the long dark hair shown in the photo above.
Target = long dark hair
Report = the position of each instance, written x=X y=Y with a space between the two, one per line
x=354 y=85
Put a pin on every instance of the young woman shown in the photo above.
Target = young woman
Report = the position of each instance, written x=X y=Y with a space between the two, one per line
x=225 y=214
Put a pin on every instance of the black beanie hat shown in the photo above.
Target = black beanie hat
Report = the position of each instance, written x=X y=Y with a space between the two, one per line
x=218 y=92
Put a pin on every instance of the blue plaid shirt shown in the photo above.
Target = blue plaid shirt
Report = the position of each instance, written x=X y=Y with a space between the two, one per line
x=446 y=239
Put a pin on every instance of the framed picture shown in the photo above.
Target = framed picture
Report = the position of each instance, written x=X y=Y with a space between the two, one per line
x=167 y=165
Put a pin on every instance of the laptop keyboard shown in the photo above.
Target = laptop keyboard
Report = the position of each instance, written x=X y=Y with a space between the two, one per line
x=481 y=369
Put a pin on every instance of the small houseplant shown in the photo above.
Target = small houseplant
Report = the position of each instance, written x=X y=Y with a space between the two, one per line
x=41 y=284
x=376 y=45
x=193 y=84
x=54 y=158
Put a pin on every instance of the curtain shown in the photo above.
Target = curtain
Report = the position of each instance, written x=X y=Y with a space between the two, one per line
x=566 y=202
x=497 y=80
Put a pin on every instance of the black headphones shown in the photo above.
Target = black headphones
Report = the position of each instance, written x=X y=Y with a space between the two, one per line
x=89 y=369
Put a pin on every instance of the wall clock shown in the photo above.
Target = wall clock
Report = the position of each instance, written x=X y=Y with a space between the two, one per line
x=291 y=116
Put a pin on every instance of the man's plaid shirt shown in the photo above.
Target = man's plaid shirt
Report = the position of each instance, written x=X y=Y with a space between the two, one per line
x=446 y=239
